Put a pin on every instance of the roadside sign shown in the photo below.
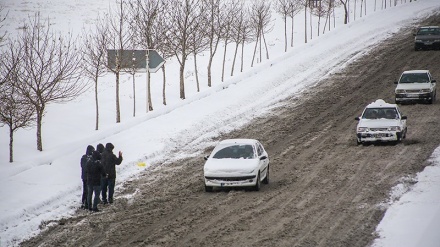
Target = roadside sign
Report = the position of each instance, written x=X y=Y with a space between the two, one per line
x=136 y=59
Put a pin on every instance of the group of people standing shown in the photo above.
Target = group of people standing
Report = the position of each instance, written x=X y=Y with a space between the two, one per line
x=98 y=173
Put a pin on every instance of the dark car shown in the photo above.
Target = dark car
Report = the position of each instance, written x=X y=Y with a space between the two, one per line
x=427 y=38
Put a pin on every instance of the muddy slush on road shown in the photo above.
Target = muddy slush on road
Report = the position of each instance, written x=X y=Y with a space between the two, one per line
x=324 y=190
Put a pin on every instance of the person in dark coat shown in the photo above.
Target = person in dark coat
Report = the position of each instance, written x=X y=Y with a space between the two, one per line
x=84 y=159
x=95 y=171
x=100 y=148
x=109 y=161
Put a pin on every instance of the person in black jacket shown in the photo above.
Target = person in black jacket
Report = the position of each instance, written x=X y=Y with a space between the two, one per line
x=84 y=159
x=100 y=148
x=109 y=161
x=94 y=172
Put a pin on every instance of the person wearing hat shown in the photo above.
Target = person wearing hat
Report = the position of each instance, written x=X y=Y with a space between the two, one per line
x=109 y=160
x=84 y=159
x=94 y=172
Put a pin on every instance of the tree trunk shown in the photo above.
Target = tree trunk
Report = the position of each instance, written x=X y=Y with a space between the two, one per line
x=285 y=33
x=39 y=123
x=182 y=79
x=118 y=109
x=196 y=72
x=11 y=144
x=96 y=104
x=150 y=103
x=255 y=49
x=291 y=40
x=305 y=24
x=164 y=99
x=265 y=46
x=224 y=60
x=242 y=57
x=134 y=97
x=209 y=72
x=233 y=60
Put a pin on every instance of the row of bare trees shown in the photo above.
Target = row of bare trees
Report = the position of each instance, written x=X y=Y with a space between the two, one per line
x=40 y=67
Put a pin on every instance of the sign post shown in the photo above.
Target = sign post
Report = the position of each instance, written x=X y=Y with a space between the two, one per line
x=140 y=60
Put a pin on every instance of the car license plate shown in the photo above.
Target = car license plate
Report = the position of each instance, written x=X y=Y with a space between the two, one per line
x=380 y=135
x=412 y=95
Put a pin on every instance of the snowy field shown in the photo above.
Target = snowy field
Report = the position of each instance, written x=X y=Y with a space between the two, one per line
x=42 y=186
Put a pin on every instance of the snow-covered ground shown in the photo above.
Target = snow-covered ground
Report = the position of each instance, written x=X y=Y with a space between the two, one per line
x=40 y=186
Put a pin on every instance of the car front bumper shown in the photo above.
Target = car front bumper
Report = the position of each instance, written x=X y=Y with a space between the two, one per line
x=427 y=44
x=379 y=136
x=242 y=181
x=407 y=97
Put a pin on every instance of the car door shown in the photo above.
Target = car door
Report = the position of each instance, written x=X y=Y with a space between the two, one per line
x=263 y=162
x=433 y=83
x=402 y=121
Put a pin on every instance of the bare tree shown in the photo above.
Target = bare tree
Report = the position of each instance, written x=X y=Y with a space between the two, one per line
x=331 y=8
x=199 y=44
x=213 y=19
x=230 y=11
x=2 y=24
x=345 y=5
x=320 y=9
x=282 y=7
x=118 y=39
x=241 y=33
x=50 y=69
x=182 y=25
x=294 y=7
x=93 y=53
x=262 y=20
x=15 y=111
x=146 y=17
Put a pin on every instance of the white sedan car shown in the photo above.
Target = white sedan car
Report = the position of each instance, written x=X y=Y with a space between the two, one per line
x=381 y=122
x=237 y=163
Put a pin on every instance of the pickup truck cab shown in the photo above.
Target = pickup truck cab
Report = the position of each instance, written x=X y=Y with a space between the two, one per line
x=415 y=85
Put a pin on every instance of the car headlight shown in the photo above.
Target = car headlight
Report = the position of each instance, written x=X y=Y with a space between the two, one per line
x=400 y=91
x=394 y=128
x=426 y=90
x=362 y=129
x=419 y=40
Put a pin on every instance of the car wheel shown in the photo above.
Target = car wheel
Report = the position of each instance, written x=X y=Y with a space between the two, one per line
x=431 y=100
x=208 y=188
x=266 y=179
x=257 y=185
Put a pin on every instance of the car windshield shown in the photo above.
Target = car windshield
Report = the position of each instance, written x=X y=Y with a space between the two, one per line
x=414 y=78
x=429 y=31
x=235 y=152
x=378 y=113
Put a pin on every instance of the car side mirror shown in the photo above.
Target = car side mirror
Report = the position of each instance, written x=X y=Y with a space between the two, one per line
x=263 y=157
x=404 y=117
x=357 y=118
x=206 y=157
x=433 y=81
